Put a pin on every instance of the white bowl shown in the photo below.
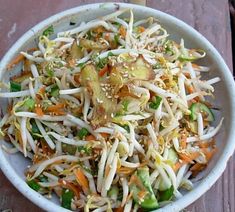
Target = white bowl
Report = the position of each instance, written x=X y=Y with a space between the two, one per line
x=13 y=166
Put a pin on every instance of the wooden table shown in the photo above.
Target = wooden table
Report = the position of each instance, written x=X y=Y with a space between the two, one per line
x=209 y=17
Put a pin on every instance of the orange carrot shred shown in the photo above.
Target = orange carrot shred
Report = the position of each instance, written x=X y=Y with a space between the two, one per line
x=103 y=71
x=15 y=61
x=141 y=29
x=82 y=180
x=122 y=31
x=38 y=111
x=76 y=190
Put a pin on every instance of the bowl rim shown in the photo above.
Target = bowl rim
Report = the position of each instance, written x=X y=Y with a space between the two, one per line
x=188 y=198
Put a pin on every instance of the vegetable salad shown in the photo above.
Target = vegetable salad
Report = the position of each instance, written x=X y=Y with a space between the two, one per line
x=112 y=113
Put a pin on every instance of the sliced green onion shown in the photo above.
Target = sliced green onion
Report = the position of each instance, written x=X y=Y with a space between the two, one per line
x=155 y=103
x=49 y=31
x=34 y=185
x=14 y=87
x=29 y=103
x=82 y=133
x=66 y=198
x=55 y=91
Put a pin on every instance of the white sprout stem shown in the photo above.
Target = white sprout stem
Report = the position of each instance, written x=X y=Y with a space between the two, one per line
x=136 y=117
x=86 y=106
x=44 y=164
x=152 y=136
x=101 y=169
x=90 y=177
x=129 y=164
x=81 y=123
x=200 y=124
x=112 y=152
x=23 y=134
x=112 y=172
x=213 y=132
x=50 y=176
x=15 y=94
x=87 y=26
x=105 y=130
x=181 y=80
x=30 y=140
x=71 y=91
x=31 y=89
x=128 y=206
x=4 y=119
x=70 y=98
x=171 y=174
x=67 y=140
x=34 y=71
x=213 y=81
x=180 y=175
x=32 y=58
x=45 y=135
x=44 y=117
x=125 y=189
x=164 y=176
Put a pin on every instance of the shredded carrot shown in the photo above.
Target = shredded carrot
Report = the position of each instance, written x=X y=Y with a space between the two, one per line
x=76 y=190
x=122 y=31
x=119 y=209
x=142 y=194
x=82 y=180
x=90 y=138
x=56 y=109
x=208 y=153
x=177 y=166
x=196 y=168
x=107 y=170
x=103 y=71
x=183 y=142
x=188 y=157
x=18 y=59
x=38 y=110
x=189 y=89
x=125 y=170
x=15 y=61
x=206 y=144
x=141 y=29
x=195 y=65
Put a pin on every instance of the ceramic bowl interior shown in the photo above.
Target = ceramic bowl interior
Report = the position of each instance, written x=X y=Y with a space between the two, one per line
x=14 y=165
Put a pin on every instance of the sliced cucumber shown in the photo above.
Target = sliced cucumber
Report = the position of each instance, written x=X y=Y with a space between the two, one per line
x=203 y=109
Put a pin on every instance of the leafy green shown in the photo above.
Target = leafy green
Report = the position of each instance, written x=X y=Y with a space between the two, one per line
x=66 y=198
x=155 y=103
x=29 y=103
x=49 y=31
x=54 y=90
x=14 y=86
x=34 y=185
x=83 y=132
x=49 y=71
x=125 y=104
